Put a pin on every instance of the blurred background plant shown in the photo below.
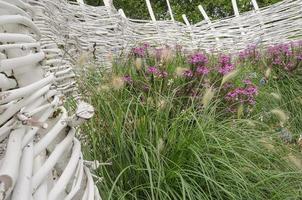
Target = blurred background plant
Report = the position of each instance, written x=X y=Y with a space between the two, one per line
x=137 y=9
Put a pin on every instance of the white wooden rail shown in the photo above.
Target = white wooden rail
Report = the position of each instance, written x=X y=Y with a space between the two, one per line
x=40 y=157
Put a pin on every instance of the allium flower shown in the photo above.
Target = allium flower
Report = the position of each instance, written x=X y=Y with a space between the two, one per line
x=188 y=73
x=243 y=95
x=202 y=70
x=128 y=79
x=299 y=57
x=198 y=59
x=251 y=91
x=162 y=74
x=226 y=69
x=225 y=65
x=250 y=52
x=152 y=70
x=139 y=51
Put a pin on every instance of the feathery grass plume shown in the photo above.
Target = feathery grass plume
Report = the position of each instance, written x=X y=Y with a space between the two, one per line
x=117 y=83
x=83 y=59
x=138 y=63
x=208 y=96
x=267 y=143
x=229 y=76
x=281 y=115
x=160 y=145
x=179 y=71
x=166 y=55
x=276 y=95
x=240 y=111
x=161 y=104
x=110 y=56
x=103 y=88
x=296 y=161
x=268 y=73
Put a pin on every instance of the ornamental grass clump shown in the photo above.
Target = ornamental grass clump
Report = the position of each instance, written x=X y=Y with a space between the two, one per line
x=196 y=127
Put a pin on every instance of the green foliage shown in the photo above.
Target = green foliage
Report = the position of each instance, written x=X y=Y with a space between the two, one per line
x=169 y=152
x=215 y=8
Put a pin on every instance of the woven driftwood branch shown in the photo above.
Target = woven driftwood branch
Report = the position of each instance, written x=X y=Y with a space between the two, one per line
x=40 y=156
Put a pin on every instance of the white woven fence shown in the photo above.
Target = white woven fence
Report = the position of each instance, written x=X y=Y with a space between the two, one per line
x=40 y=156
x=103 y=31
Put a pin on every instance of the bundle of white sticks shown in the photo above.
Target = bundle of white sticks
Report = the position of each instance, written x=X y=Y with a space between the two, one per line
x=40 y=156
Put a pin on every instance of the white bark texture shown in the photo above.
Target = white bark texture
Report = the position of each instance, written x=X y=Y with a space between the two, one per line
x=40 y=158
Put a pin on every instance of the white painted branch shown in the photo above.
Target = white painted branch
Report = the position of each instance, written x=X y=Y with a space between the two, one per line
x=46 y=168
x=9 y=170
x=23 y=188
x=150 y=10
x=170 y=10
x=67 y=173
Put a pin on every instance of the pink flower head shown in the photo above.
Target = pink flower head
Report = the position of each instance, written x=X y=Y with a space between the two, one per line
x=152 y=70
x=198 y=59
x=202 y=70
x=127 y=79
x=243 y=95
x=225 y=65
x=139 y=51
x=188 y=73
x=226 y=69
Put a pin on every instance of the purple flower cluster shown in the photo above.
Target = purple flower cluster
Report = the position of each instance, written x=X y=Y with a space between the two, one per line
x=225 y=65
x=243 y=94
x=140 y=51
x=202 y=70
x=152 y=70
x=198 y=59
x=250 y=52
x=281 y=55
x=127 y=79
x=280 y=50
x=156 y=72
